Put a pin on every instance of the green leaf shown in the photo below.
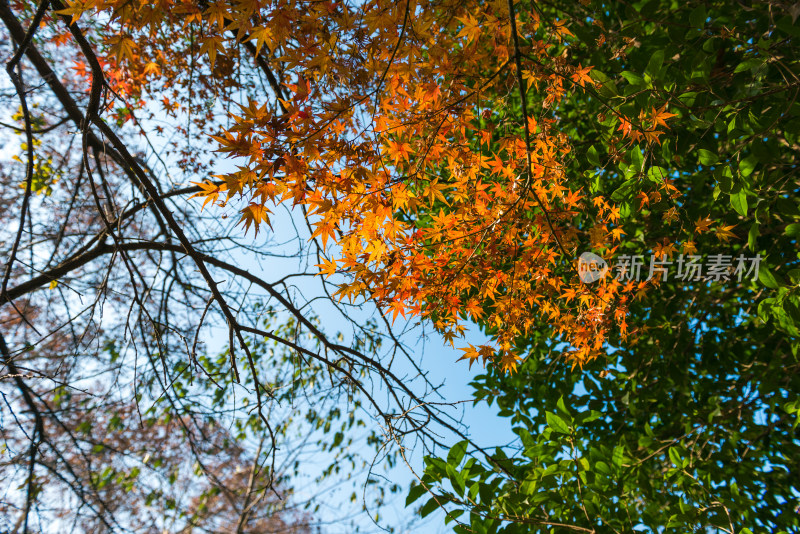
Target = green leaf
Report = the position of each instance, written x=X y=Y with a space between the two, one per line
x=619 y=455
x=473 y=490
x=793 y=230
x=748 y=64
x=697 y=18
x=429 y=507
x=688 y=98
x=747 y=166
x=707 y=157
x=457 y=452
x=452 y=516
x=657 y=174
x=787 y=207
x=655 y=63
x=456 y=480
x=607 y=88
x=636 y=158
x=752 y=235
x=739 y=202
x=789 y=27
x=556 y=423
x=766 y=277
x=593 y=156
x=675 y=457
x=602 y=467
x=416 y=491
x=563 y=407
x=623 y=191
x=592 y=416
x=732 y=124
x=631 y=78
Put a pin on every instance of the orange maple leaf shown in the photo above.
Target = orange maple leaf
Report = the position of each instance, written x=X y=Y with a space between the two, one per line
x=581 y=76
x=660 y=116
x=397 y=308
x=254 y=215
x=209 y=190
x=398 y=151
x=508 y=362
x=724 y=233
x=702 y=224
x=327 y=267
x=470 y=353
x=625 y=126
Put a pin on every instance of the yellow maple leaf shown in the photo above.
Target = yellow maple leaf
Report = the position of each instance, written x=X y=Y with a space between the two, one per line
x=152 y=68
x=209 y=190
x=75 y=10
x=254 y=215
x=327 y=267
x=123 y=48
x=724 y=233
x=508 y=362
x=470 y=353
x=561 y=29
x=671 y=215
x=262 y=36
x=211 y=45
x=664 y=249
x=702 y=224
x=471 y=30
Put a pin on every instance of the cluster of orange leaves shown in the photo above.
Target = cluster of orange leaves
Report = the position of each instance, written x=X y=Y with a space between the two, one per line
x=395 y=134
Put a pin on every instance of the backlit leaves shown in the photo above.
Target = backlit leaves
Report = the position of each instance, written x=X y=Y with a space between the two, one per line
x=399 y=129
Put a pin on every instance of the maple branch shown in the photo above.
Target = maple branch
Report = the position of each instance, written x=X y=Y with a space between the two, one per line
x=381 y=80
x=262 y=63
x=120 y=154
x=77 y=487
x=523 y=97
x=133 y=210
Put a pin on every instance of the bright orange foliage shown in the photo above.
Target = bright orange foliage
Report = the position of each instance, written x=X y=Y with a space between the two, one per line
x=443 y=205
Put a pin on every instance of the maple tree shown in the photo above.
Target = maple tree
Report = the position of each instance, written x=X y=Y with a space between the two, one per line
x=382 y=153
x=394 y=160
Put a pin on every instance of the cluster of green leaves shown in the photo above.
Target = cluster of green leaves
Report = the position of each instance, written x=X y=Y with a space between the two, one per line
x=691 y=424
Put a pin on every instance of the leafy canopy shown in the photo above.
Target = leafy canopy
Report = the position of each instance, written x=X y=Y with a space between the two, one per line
x=692 y=424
